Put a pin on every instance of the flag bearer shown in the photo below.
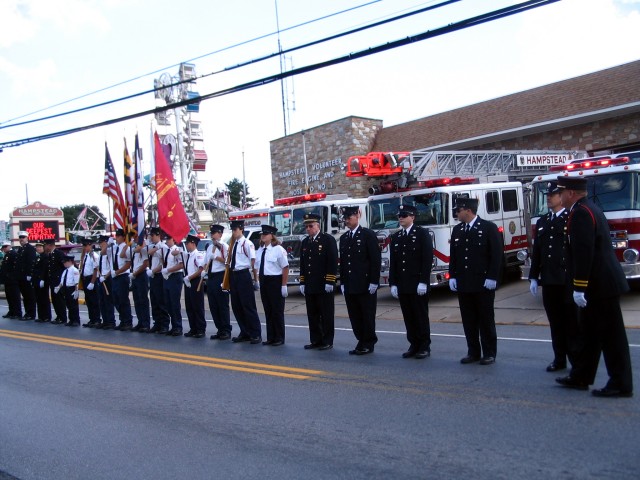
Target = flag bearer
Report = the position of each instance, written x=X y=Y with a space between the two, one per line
x=173 y=273
x=193 y=292
x=89 y=264
x=159 y=310
x=140 y=285
x=120 y=281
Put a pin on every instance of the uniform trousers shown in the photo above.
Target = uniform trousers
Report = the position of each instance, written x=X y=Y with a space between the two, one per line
x=478 y=321
x=159 y=310
x=415 y=312
x=361 y=308
x=320 y=314
x=28 y=297
x=42 y=302
x=194 y=304
x=172 y=291
x=12 y=292
x=561 y=312
x=602 y=330
x=273 y=303
x=91 y=299
x=105 y=297
x=243 y=304
x=120 y=292
x=58 y=301
x=140 y=288
x=71 y=304
x=218 y=302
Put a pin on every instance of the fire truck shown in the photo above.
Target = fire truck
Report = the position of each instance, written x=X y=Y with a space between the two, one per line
x=288 y=217
x=253 y=221
x=613 y=183
x=432 y=180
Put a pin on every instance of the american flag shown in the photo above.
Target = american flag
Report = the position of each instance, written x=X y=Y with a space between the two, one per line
x=111 y=188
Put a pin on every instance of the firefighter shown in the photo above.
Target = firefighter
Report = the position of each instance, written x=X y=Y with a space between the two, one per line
x=121 y=257
x=360 y=262
x=68 y=288
x=40 y=281
x=105 y=287
x=474 y=267
x=215 y=259
x=159 y=310
x=193 y=293
x=10 y=280
x=89 y=276
x=172 y=273
x=140 y=284
x=24 y=270
x=318 y=268
x=54 y=271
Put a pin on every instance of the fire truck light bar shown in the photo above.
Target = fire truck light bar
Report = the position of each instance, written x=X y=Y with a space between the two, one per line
x=444 y=182
x=587 y=163
x=311 y=197
x=248 y=215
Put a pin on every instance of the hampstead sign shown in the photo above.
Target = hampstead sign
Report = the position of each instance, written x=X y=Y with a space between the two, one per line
x=320 y=175
x=37 y=209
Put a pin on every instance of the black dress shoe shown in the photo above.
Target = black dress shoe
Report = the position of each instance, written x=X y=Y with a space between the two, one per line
x=311 y=346
x=361 y=351
x=57 y=321
x=28 y=317
x=220 y=336
x=554 y=367
x=136 y=328
x=190 y=333
x=268 y=342
x=108 y=326
x=277 y=343
x=162 y=331
x=39 y=320
x=154 y=329
x=255 y=340
x=240 y=338
x=571 y=382
x=409 y=353
x=608 y=392
x=124 y=328
x=198 y=335
x=422 y=354
x=73 y=324
x=144 y=330
x=469 y=359
x=325 y=347
x=488 y=360
x=175 y=333
x=6 y=315
x=15 y=317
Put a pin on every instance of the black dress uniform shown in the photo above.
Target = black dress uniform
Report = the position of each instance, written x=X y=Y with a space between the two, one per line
x=318 y=268
x=55 y=269
x=360 y=268
x=24 y=269
x=476 y=255
x=40 y=277
x=11 y=284
x=596 y=272
x=409 y=265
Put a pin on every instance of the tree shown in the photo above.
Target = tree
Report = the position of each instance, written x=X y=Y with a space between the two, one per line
x=71 y=213
x=236 y=192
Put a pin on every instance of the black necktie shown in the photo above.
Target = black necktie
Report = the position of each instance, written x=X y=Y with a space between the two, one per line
x=233 y=256
x=100 y=265
x=261 y=273
x=466 y=228
x=150 y=259
x=115 y=259
x=553 y=217
x=64 y=278
x=166 y=258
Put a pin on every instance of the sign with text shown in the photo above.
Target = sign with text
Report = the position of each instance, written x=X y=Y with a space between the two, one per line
x=39 y=231
x=543 y=160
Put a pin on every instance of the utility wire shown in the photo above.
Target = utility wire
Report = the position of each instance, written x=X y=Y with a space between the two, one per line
x=470 y=22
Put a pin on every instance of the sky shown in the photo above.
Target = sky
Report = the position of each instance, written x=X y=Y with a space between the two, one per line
x=52 y=52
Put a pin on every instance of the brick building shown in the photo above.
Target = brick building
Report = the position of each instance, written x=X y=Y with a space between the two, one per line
x=598 y=112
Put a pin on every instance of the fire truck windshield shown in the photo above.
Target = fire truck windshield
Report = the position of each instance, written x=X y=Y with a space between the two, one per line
x=383 y=213
x=298 y=218
x=433 y=208
x=612 y=192
x=281 y=219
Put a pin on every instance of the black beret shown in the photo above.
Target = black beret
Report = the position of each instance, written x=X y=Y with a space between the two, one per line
x=572 y=183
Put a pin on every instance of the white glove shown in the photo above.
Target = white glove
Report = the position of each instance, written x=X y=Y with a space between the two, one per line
x=101 y=279
x=75 y=294
x=90 y=286
x=284 y=291
x=256 y=285
x=28 y=278
x=328 y=288
x=453 y=284
x=373 y=288
x=187 y=282
x=111 y=241
x=204 y=274
x=150 y=273
x=165 y=272
x=394 y=291
x=41 y=284
x=422 y=289
x=131 y=276
x=342 y=289
x=578 y=298
x=56 y=290
x=302 y=290
x=490 y=284
x=533 y=287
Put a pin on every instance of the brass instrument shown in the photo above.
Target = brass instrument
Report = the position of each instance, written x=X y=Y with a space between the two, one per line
x=226 y=280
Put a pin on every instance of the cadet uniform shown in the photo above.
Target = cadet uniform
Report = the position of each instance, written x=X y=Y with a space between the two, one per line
x=140 y=287
x=55 y=269
x=318 y=268
x=24 y=269
x=121 y=257
x=194 y=296
x=89 y=274
x=159 y=310
x=217 y=254
x=105 y=287
x=11 y=284
x=40 y=281
x=360 y=262
x=68 y=288
x=172 y=273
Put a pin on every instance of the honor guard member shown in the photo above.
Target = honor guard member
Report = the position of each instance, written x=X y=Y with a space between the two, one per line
x=215 y=258
x=40 y=282
x=318 y=268
x=25 y=261
x=68 y=288
x=273 y=272
x=89 y=275
x=172 y=273
x=55 y=269
x=193 y=293
x=159 y=310
x=105 y=285
x=10 y=280
x=120 y=281
x=140 y=285
x=474 y=267
x=549 y=270
x=359 y=279
x=598 y=281
x=243 y=299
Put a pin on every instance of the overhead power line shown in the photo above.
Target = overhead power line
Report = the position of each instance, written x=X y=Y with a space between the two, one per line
x=470 y=22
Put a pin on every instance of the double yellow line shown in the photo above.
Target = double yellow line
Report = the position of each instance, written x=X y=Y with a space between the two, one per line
x=198 y=360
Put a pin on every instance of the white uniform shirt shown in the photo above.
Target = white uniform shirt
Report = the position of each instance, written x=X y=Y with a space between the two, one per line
x=156 y=260
x=275 y=259
x=118 y=256
x=245 y=252
x=139 y=258
x=105 y=263
x=212 y=253
x=195 y=260
x=70 y=277
x=90 y=263
x=170 y=260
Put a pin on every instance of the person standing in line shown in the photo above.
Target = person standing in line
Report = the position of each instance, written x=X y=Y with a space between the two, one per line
x=89 y=274
x=214 y=261
x=68 y=287
x=55 y=269
x=243 y=299
x=474 y=267
x=159 y=310
x=173 y=273
x=24 y=269
x=11 y=284
x=360 y=263
x=597 y=281
x=41 y=284
x=120 y=281
x=318 y=268
x=273 y=267
x=194 y=296
x=105 y=287
x=140 y=285
x=549 y=265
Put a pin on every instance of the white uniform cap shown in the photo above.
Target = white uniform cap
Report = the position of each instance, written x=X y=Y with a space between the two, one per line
x=23 y=234
x=6 y=244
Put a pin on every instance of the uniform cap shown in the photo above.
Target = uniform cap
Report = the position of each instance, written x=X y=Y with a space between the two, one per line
x=349 y=211
x=552 y=187
x=466 y=203
x=407 y=209
x=6 y=244
x=572 y=183
x=192 y=239
x=216 y=228
x=311 y=218
x=237 y=224
x=268 y=229
x=155 y=231
x=23 y=234
x=68 y=258
x=39 y=244
x=88 y=241
x=50 y=241
x=119 y=232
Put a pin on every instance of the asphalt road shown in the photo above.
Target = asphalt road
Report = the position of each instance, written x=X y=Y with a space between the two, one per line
x=80 y=403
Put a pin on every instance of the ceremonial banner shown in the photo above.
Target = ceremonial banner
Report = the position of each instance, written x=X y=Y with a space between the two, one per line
x=111 y=188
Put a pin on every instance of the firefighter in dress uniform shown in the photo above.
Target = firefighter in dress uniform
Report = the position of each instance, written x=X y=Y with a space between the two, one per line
x=55 y=269
x=140 y=284
x=105 y=287
x=68 y=288
x=409 y=272
x=215 y=259
x=40 y=281
x=89 y=276
x=193 y=293
x=10 y=280
x=360 y=262
x=172 y=273
x=24 y=270
x=549 y=270
x=474 y=268
x=159 y=311
x=597 y=283
x=120 y=281
x=318 y=268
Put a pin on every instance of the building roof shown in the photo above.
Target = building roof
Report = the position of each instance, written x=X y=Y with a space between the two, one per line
x=603 y=94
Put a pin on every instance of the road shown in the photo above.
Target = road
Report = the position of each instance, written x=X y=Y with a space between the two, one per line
x=81 y=403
